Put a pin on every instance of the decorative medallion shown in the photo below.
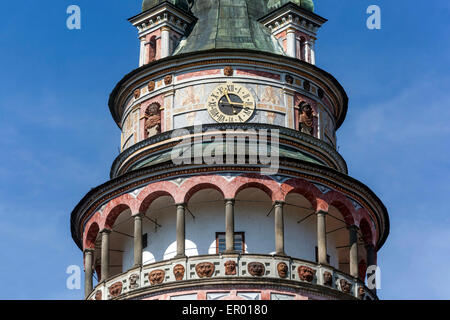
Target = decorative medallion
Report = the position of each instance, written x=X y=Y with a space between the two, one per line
x=230 y=268
x=99 y=295
x=282 y=269
x=168 y=80
x=156 y=277
x=256 y=269
x=228 y=71
x=137 y=93
x=307 y=85
x=151 y=86
x=346 y=286
x=205 y=269
x=134 y=281
x=116 y=289
x=178 y=272
x=289 y=79
x=306 y=273
x=327 y=279
x=231 y=103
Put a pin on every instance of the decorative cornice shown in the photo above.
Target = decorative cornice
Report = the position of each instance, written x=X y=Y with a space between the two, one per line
x=174 y=64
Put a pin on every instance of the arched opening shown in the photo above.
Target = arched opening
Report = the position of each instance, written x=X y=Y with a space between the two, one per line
x=254 y=217
x=119 y=221
x=300 y=225
x=205 y=220
x=159 y=228
x=152 y=49
x=93 y=241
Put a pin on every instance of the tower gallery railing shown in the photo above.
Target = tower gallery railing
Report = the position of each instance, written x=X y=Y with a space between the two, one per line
x=248 y=269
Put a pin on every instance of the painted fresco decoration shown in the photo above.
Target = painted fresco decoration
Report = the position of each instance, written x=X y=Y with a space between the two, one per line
x=152 y=120
x=130 y=129
x=307 y=118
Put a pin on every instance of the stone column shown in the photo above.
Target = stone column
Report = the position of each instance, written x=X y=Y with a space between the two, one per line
x=229 y=225
x=312 y=45
x=165 y=42
x=321 y=238
x=353 y=234
x=279 y=228
x=181 y=230
x=142 y=52
x=88 y=270
x=306 y=50
x=291 y=43
x=105 y=254
x=138 y=240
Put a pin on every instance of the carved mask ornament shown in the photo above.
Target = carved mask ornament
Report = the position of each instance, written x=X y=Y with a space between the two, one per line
x=178 y=272
x=205 y=269
x=116 y=289
x=306 y=273
x=256 y=269
x=228 y=71
x=168 y=80
x=98 y=295
x=346 y=286
x=151 y=86
x=361 y=293
x=134 y=278
x=230 y=268
x=156 y=277
x=327 y=278
x=282 y=269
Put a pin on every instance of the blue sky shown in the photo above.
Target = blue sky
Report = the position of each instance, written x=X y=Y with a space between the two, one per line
x=58 y=139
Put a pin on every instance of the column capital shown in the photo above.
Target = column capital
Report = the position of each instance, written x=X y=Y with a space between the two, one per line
x=233 y=201
x=106 y=230
x=322 y=212
x=182 y=204
x=279 y=203
x=89 y=250
x=291 y=30
x=166 y=28
x=138 y=215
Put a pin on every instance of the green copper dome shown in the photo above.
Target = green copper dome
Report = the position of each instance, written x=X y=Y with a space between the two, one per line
x=183 y=4
x=305 y=4
x=229 y=24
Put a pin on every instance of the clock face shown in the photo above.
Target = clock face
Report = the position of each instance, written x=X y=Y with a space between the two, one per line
x=231 y=103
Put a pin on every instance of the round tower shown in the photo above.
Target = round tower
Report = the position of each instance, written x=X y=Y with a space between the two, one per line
x=229 y=184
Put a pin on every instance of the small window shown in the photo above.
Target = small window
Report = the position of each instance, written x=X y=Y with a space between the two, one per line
x=144 y=240
x=317 y=256
x=239 y=242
